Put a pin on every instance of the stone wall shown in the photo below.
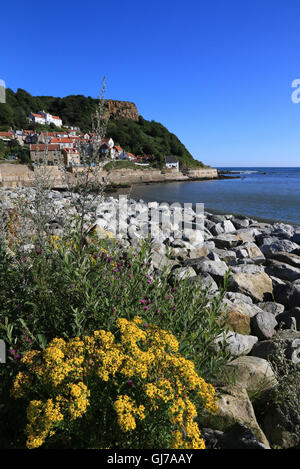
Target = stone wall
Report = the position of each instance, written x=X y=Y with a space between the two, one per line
x=20 y=175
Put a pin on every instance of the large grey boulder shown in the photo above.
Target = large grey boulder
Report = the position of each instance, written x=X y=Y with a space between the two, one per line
x=223 y=227
x=287 y=340
x=236 y=344
x=282 y=230
x=206 y=282
x=240 y=222
x=287 y=258
x=263 y=325
x=287 y=294
x=272 y=245
x=226 y=240
x=238 y=297
x=217 y=269
x=289 y=319
x=279 y=428
x=283 y=271
x=271 y=307
x=237 y=437
x=160 y=262
x=249 y=309
x=182 y=273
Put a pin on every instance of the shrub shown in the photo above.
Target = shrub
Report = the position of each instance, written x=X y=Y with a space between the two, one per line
x=63 y=291
x=133 y=392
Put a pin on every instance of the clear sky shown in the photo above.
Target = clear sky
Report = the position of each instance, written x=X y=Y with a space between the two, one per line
x=216 y=73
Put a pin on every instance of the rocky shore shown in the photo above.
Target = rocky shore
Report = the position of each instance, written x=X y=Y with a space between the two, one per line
x=262 y=300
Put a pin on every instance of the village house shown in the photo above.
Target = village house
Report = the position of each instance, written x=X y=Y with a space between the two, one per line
x=51 y=154
x=6 y=136
x=172 y=162
x=124 y=155
x=71 y=157
x=106 y=148
x=43 y=118
x=64 y=142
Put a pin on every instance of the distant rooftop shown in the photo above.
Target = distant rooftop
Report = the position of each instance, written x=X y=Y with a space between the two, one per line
x=171 y=159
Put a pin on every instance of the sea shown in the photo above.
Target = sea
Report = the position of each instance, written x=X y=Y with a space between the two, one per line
x=267 y=194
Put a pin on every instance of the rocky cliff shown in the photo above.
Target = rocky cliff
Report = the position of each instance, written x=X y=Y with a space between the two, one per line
x=122 y=109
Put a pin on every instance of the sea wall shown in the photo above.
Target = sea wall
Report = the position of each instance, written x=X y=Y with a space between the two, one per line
x=19 y=175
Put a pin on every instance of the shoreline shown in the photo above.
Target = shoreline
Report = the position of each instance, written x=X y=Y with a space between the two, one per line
x=212 y=210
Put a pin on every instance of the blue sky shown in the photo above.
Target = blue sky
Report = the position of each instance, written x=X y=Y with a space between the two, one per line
x=217 y=74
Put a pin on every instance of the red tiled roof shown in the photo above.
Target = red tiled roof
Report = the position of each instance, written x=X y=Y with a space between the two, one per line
x=37 y=115
x=62 y=140
x=6 y=134
x=118 y=148
x=50 y=134
x=42 y=147
x=70 y=150
x=56 y=117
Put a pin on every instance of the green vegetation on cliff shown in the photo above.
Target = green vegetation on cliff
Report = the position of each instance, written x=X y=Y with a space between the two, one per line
x=140 y=137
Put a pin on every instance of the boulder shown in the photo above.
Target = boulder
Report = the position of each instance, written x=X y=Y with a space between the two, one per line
x=271 y=307
x=238 y=297
x=263 y=325
x=206 y=282
x=238 y=322
x=226 y=241
x=272 y=245
x=236 y=344
x=287 y=258
x=241 y=306
x=257 y=285
x=160 y=261
x=289 y=319
x=236 y=437
x=283 y=271
x=288 y=340
x=217 y=269
x=234 y=406
x=182 y=273
x=252 y=373
x=287 y=294
x=240 y=222
x=279 y=429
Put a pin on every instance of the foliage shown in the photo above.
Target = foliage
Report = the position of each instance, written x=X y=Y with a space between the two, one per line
x=136 y=392
x=14 y=148
x=140 y=138
x=64 y=291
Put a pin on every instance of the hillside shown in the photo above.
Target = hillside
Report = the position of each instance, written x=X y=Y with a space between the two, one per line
x=126 y=127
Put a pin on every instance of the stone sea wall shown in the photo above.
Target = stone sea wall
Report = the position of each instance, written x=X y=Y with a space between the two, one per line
x=19 y=175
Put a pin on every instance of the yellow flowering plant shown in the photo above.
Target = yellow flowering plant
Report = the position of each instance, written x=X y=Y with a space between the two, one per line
x=128 y=389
